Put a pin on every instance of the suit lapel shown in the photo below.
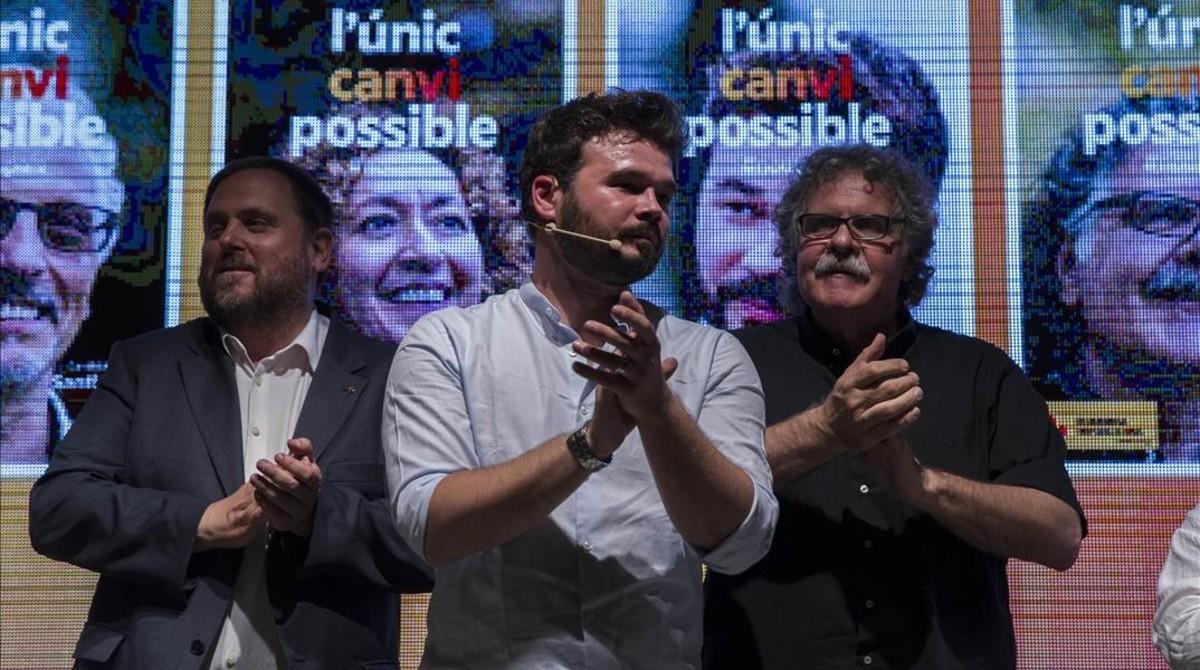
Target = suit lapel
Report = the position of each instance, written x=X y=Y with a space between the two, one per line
x=336 y=387
x=207 y=374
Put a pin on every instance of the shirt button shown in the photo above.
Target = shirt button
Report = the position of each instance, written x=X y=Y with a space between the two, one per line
x=231 y=661
x=587 y=544
x=837 y=352
x=867 y=660
x=867 y=544
x=584 y=411
x=258 y=381
x=572 y=353
x=861 y=489
x=254 y=431
x=870 y=604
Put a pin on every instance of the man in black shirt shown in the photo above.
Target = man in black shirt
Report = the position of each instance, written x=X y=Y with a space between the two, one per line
x=910 y=462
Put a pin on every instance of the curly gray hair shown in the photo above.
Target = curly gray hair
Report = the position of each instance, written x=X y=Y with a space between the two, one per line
x=912 y=202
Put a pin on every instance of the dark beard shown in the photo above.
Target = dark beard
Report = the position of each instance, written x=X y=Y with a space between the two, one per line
x=276 y=300
x=592 y=259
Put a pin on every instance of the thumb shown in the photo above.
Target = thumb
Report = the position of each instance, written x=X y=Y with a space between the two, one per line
x=301 y=448
x=872 y=351
x=669 y=366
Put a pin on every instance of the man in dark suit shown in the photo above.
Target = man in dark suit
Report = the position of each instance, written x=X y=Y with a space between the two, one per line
x=220 y=542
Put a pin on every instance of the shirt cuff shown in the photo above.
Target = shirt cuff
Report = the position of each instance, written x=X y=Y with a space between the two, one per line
x=746 y=545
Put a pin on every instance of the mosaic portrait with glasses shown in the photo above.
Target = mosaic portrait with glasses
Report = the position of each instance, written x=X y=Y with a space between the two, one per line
x=1111 y=270
x=59 y=207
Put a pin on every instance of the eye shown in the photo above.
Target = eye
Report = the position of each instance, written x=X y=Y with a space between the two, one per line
x=213 y=228
x=379 y=225
x=748 y=208
x=1162 y=215
x=451 y=223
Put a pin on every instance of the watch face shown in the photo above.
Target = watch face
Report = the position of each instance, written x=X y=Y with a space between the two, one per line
x=578 y=446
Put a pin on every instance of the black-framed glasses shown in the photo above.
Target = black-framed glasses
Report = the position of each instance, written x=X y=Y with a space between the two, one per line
x=63 y=226
x=1163 y=214
x=866 y=227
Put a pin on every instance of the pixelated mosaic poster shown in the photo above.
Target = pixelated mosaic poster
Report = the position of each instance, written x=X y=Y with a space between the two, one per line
x=1104 y=161
x=412 y=116
x=764 y=85
x=83 y=177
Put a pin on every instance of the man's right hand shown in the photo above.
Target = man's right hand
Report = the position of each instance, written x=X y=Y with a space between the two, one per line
x=873 y=400
x=230 y=523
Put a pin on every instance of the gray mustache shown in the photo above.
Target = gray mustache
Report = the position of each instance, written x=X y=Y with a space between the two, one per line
x=855 y=266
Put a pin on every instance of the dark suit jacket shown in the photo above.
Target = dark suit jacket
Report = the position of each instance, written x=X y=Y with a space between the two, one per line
x=160 y=439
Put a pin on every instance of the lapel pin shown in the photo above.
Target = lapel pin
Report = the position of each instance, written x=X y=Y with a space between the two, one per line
x=350 y=388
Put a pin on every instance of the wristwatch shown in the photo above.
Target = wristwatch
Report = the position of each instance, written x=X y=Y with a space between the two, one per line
x=578 y=445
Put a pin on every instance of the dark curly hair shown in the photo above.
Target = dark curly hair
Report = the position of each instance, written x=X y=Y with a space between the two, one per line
x=555 y=145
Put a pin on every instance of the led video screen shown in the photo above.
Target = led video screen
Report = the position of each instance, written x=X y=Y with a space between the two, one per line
x=1061 y=138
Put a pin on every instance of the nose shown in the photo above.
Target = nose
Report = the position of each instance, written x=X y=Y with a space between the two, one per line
x=842 y=240
x=21 y=249
x=232 y=236
x=648 y=206
x=760 y=256
x=417 y=240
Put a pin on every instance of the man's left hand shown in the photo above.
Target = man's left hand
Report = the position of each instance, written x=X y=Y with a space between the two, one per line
x=287 y=488
x=634 y=370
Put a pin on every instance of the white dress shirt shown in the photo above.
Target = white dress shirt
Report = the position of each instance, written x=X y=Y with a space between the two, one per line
x=1176 y=627
x=606 y=581
x=270 y=396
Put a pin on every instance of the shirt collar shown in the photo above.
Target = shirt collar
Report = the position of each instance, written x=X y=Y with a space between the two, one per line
x=821 y=346
x=547 y=315
x=302 y=352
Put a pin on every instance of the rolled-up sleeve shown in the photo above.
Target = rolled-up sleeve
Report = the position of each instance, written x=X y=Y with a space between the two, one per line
x=426 y=426
x=1176 y=627
x=732 y=417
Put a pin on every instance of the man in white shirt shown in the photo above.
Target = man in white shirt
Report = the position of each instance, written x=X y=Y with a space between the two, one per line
x=1176 y=628
x=565 y=455
x=225 y=478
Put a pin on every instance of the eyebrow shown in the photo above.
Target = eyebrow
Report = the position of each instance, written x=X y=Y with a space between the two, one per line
x=397 y=204
x=739 y=185
x=256 y=212
x=669 y=187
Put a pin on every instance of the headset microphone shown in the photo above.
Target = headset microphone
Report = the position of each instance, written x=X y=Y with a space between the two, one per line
x=553 y=229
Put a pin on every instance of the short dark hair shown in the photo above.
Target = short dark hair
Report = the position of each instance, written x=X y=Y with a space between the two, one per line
x=912 y=202
x=311 y=202
x=555 y=145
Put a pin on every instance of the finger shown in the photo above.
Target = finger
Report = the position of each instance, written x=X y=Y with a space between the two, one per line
x=607 y=333
x=277 y=476
x=892 y=388
x=304 y=471
x=265 y=493
x=618 y=383
x=669 y=366
x=607 y=359
x=638 y=324
x=871 y=373
x=872 y=351
x=627 y=299
x=893 y=409
x=300 y=447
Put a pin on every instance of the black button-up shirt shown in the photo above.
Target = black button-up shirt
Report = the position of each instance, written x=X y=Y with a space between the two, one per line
x=856 y=578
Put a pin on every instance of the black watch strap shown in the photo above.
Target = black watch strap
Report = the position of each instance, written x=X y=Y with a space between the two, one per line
x=578 y=445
